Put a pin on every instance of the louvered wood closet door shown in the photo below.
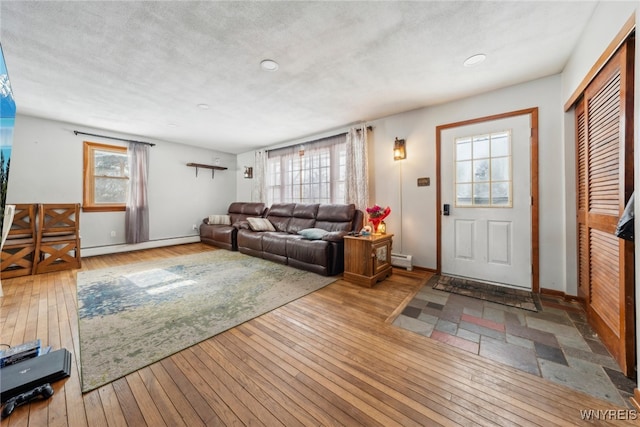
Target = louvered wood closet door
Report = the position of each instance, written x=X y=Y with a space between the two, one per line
x=604 y=124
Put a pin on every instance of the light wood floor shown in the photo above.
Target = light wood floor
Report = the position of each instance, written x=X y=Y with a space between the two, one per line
x=330 y=358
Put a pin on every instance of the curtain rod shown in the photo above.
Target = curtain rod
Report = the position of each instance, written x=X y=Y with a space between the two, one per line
x=369 y=128
x=112 y=137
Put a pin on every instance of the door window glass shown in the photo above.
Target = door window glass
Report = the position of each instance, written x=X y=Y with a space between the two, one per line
x=483 y=170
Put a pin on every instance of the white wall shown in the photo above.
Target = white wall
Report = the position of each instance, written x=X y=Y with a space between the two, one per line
x=418 y=234
x=414 y=210
x=607 y=20
x=245 y=186
x=46 y=167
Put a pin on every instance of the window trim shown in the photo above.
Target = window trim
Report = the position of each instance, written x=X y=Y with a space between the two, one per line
x=88 y=191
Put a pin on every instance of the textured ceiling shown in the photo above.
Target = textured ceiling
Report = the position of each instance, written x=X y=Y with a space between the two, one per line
x=142 y=67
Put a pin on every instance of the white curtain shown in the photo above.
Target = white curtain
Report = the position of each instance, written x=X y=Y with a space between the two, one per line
x=9 y=212
x=357 y=171
x=313 y=172
x=260 y=175
x=137 y=214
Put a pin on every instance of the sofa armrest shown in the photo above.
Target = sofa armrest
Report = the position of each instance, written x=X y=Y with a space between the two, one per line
x=334 y=236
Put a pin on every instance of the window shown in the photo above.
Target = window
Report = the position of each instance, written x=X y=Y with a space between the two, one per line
x=483 y=170
x=315 y=173
x=106 y=177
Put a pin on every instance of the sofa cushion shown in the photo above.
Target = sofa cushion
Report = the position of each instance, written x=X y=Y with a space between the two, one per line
x=219 y=220
x=313 y=233
x=280 y=214
x=260 y=224
x=335 y=217
x=306 y=210
x=297 y=224
x=276 y=243
x=304 y=216
x=239 y=211
x=309 y=251
x=222 y=233
x=246 y=208
x=223 y=236
x=281 y=209
x=250 y=240
x=336 y=213
x=335 y=236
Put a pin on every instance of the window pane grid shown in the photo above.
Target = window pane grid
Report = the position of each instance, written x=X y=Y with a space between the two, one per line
x=483 y=175
x=106 y=177
x=111 y=174
x=318 y=176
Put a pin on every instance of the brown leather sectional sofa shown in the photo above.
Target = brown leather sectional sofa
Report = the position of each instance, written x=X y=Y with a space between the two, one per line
x=319 y=254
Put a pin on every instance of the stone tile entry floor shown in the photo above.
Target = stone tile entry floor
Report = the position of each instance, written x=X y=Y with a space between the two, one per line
x=555 y=343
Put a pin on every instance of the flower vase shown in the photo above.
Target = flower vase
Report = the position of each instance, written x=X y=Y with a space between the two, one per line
x=375 y=222
x=379 y=218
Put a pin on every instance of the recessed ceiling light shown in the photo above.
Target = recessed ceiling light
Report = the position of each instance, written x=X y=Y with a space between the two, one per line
x=269 y=65
x=203 y=106
x=474 y=60
x=172 y=125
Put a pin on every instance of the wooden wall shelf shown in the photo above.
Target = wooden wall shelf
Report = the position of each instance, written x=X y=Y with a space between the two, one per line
x=212 y=167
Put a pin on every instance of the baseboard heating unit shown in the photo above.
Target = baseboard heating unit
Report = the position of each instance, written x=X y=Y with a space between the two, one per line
x=401 y=260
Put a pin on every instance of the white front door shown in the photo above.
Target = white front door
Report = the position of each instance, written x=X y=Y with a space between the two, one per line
x=486 y=188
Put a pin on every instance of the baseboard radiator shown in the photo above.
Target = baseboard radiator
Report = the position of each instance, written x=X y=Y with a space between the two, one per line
x=401 y=260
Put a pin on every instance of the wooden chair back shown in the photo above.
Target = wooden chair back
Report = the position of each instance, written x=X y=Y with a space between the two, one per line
x=59 y=220
x=58 y=237
x=18 y=251
x=23 y=225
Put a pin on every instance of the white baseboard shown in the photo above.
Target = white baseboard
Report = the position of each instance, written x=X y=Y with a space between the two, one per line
x=114 y=249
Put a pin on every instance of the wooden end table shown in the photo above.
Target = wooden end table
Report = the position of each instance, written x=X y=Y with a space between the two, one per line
x=367 y=259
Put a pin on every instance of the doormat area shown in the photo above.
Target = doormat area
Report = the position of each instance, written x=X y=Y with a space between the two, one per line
x=499 y=294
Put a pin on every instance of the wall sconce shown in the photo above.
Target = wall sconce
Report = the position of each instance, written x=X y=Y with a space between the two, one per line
x=248 y=172
x=399 y=152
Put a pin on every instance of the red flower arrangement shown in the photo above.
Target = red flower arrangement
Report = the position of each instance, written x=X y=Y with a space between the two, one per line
x=377 y=214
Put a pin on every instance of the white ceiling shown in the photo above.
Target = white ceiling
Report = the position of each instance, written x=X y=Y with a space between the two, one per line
x=142 y=67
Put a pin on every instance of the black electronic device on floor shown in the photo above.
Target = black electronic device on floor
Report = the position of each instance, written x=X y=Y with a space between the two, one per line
x=31 y=373
x=44 y=391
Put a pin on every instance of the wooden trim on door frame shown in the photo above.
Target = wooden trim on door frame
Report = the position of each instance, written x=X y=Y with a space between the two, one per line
x=535 y=244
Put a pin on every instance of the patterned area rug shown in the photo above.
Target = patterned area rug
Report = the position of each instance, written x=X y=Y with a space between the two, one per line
x=134 y=315
x=498 y=294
